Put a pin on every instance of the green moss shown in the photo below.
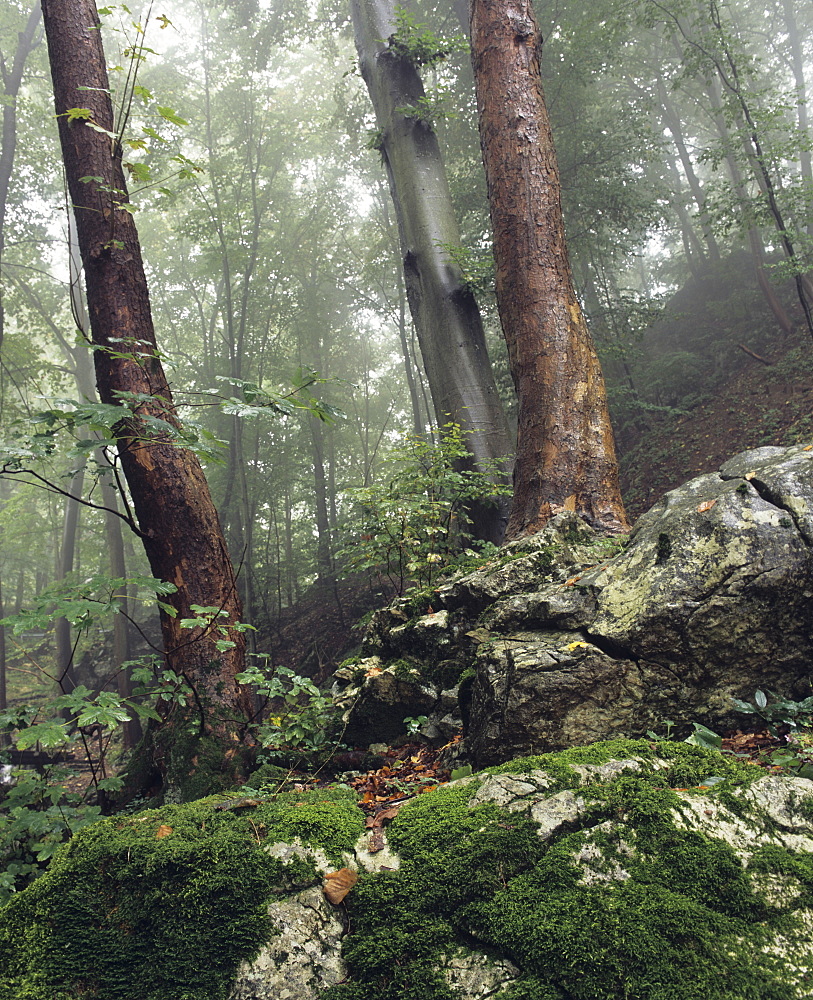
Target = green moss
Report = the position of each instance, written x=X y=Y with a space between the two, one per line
x=688 y=765
x=164 y=904
x=772 y=859
x=402 y=668
x=683 y=921
x=417 y=600
x=192 y=765
x=350 y=662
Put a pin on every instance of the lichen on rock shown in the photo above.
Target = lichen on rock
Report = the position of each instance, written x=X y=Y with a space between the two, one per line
x=620 y=869
x=596 y=878
x=563 y=639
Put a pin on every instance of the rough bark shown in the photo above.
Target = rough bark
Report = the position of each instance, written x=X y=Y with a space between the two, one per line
x=177 y=521
x=444 y=311
x=565 y=451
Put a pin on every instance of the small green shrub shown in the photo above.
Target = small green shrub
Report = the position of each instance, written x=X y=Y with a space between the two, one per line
x=416 y=524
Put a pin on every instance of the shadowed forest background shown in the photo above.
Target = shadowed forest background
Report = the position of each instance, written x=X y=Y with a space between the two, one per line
x=276 y=274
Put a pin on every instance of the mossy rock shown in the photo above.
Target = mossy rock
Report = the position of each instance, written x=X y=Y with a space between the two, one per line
x=617 y=870
x=165 y=904
x=624 y=869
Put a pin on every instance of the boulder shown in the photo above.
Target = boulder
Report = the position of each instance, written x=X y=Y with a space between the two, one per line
x=625 y=868
x=565 y=639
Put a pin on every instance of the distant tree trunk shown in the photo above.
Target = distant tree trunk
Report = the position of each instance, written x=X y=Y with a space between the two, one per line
x=755 y=241
x=65 y=672
x=671 y=120
x=4 y=736
x=565 y=451
x=12 y=78
x=324 y=555
x=177 y=521
x=3 y=679
x=409 y=371
x=798 y=64
x=118 y=570
x=444 y=311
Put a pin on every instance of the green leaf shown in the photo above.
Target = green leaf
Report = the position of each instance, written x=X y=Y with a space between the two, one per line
x=49 y=734
x=703 y=737
x=171 y=116
x=140 y=172
x=78 y=114
x=152 y=134
x=104 y=131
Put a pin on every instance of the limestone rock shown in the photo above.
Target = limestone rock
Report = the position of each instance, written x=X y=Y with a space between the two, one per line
x=569 y=643
x=634 y=888
x=303 y=958
x=376 y=705
x=616 y=869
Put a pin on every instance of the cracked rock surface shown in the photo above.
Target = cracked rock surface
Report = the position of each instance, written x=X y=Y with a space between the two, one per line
x=711 y=599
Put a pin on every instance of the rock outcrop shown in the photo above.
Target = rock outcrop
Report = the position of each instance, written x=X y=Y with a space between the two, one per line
x=620 y=869
x=711 y=598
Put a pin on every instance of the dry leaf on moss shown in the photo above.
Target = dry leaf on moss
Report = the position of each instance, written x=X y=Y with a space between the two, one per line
x=338 y=884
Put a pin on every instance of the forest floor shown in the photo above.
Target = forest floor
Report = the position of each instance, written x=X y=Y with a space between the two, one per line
x=413 y=768
x=756 y=405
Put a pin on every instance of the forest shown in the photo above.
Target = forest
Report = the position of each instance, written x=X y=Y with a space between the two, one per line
x=306 y=307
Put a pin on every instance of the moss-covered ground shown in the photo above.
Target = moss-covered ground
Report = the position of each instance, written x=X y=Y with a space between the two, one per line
x=686 y=923
x=164 y=904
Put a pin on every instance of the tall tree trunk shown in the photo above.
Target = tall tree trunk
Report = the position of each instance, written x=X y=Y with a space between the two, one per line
x=12 y=78
x=177 y=521
x=565 y=451
x=444 y=311
x=118 y=570
x=67 y=551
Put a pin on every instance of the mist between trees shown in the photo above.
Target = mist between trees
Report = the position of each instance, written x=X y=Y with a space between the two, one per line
x=318 y=288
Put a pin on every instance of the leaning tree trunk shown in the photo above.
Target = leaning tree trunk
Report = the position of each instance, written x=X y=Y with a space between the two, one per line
x=444 y=311
x=565 y=451
x=177 y=520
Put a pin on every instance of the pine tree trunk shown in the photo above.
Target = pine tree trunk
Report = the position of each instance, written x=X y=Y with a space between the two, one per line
x=565 y=451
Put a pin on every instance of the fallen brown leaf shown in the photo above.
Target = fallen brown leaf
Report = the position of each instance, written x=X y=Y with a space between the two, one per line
x=338 y=884
x=163 y=831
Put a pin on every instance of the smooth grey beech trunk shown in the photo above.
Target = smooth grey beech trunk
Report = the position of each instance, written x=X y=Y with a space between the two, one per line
x=444 y=311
